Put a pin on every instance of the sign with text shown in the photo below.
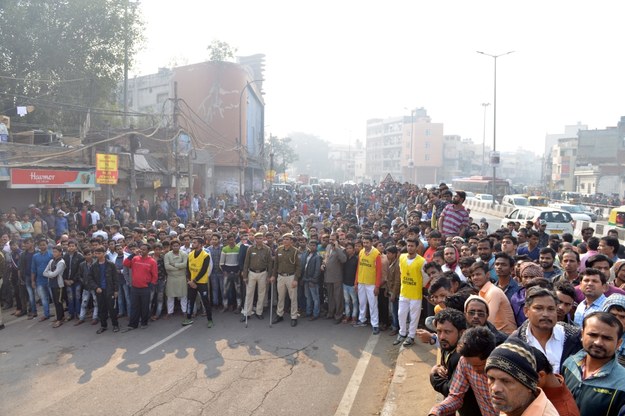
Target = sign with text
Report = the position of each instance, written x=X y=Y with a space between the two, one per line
x=106 y=169
x=52 y=178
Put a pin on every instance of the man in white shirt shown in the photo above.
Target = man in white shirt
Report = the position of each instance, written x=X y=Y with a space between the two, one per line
x=557 y=340
x=95 y=216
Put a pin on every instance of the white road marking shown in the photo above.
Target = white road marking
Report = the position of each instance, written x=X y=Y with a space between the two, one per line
x=345 y=406
x=164 y=340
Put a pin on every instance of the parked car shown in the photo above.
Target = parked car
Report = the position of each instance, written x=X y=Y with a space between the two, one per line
x=586 y=210
x=575 y=211
x=485 y=198
x=470 y=196
x=558 y=221
x=515 y=201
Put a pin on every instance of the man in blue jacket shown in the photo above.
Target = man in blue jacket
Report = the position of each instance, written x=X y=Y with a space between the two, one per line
x=38 y=266
x=593 y=375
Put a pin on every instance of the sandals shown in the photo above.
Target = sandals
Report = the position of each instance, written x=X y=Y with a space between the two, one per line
x=57 y=324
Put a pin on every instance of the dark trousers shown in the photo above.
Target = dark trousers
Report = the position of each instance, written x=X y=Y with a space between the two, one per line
x=23 y=297
x=335 y=299
x=16 y=291
x=106 y=303
x=140 y=300
x=383 y=308
x=202 y=290
x=57 y=294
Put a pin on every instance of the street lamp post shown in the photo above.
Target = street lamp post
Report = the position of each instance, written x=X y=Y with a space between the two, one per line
x=494 y=115
x=240 y=141
x=410 y=156
x=484 y=138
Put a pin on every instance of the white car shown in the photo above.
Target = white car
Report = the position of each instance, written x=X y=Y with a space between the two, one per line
x=485 y=198
x=558 y=221
x=575 y=210
x=470 y=196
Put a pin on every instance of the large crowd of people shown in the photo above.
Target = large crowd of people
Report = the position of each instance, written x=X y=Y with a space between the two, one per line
x=526 y=322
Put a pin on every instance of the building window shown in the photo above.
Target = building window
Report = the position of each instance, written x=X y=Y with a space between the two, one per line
x=427 y=157
x=427 y=145
x=427 y=132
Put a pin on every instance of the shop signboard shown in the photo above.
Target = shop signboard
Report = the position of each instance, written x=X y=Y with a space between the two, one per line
x=52 y=179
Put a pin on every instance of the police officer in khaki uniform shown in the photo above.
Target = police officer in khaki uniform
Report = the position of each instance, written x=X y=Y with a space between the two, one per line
x=256 y=270
x=287 y=272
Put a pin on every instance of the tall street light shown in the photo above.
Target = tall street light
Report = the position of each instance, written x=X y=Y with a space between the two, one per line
x=484 y=137
x=240 y=141
x=494 y=115
x=410 y=158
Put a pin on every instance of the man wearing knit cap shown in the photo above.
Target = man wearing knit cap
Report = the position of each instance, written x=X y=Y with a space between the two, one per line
x=513 y=381
x=501 y=314
x=476 y=312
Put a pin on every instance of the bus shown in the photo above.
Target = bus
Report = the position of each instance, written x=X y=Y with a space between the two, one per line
x=482 y=185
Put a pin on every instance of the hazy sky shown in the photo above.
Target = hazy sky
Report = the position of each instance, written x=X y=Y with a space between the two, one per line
x=331 y=65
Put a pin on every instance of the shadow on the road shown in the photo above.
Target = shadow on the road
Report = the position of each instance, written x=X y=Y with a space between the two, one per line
x=79 y=355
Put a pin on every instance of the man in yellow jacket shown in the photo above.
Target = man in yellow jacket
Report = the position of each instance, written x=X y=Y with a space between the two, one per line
x=413 y=279
x=367 y=283
x=199 y=267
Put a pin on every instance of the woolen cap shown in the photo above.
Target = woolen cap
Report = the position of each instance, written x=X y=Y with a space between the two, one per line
x=515 y=358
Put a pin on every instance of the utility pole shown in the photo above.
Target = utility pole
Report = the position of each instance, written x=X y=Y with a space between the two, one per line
x=190 y=192
x=125 y=119
x=176 y=146
x=134 y=144
x=109 y=188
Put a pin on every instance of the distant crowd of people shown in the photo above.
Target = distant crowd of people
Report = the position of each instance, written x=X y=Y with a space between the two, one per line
x=526 y=322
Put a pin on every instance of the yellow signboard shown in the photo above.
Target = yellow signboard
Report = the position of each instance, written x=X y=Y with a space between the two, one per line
x=106 y=172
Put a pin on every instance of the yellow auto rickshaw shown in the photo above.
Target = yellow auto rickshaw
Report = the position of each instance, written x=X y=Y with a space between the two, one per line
x=538 y=201
x=617 y=217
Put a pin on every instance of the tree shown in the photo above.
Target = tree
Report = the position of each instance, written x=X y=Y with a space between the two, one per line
x=283 y=153
x=220 y=51
x=64 y=57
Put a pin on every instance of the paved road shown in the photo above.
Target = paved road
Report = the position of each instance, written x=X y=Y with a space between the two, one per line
x=313 y=369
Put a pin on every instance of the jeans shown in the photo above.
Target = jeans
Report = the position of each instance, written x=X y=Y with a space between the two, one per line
x=31 y=299
x=395 y=311
x=123 y=298
x=86 y=295
x=158 y=291
x=349 y=294
x=57 y=294
x=312 y=299
x=74 y=299
x=232 y=280
x=141 y=310
x=217 y=285
x=43 y=289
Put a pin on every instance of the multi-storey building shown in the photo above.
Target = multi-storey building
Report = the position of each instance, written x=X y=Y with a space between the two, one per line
x=409 y=148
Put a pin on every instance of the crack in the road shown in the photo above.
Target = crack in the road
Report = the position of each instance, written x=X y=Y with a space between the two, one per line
x=268 y=392
x=180 y=384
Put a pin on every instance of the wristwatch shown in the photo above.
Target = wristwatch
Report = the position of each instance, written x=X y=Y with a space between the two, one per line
x=433 y=340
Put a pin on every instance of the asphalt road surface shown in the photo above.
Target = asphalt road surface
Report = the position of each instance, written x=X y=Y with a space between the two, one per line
x=316 y=368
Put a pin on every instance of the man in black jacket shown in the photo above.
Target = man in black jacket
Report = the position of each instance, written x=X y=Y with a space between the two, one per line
x=103 y=279
x=71 y=278
x=450 y=324
x=557 y=340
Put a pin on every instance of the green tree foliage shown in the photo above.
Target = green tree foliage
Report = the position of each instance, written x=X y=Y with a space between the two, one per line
x=63 y=57
x=283 y=153
x=220 y=51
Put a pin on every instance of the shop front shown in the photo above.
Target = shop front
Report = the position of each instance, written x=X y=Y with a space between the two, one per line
x=27 y=186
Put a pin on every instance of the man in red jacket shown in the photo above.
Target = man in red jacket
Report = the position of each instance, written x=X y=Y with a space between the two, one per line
x=144 y=275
